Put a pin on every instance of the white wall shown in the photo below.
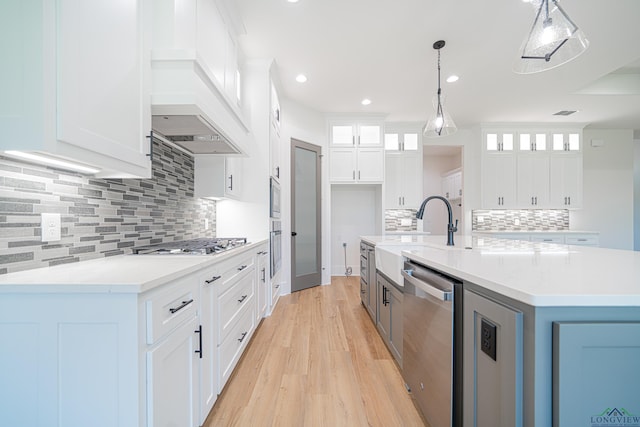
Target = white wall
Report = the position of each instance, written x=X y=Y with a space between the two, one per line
x=303 y=124
x=355 y=212
x=636 y=192
x=608 y=188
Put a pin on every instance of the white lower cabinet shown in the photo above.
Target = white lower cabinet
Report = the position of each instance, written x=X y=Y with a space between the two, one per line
x=262 y=282
x=172 y=382
x=159 y=358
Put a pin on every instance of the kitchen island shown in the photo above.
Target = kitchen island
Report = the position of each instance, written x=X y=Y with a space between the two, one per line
x=564 y=325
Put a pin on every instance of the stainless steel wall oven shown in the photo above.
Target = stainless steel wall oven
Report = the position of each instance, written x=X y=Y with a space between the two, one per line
x=276 y=247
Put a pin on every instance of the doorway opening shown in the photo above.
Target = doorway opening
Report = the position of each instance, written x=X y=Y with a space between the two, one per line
x=443 y=176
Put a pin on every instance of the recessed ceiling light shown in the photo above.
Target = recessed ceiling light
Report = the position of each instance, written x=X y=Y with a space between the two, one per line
x=452 y=78
x=366 y=101
x=292 y=1
x=301 y=78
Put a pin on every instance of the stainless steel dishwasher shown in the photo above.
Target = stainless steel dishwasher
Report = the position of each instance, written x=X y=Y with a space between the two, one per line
x=432 y=325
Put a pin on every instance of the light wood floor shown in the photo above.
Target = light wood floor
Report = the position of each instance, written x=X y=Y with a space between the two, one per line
x=316 y=361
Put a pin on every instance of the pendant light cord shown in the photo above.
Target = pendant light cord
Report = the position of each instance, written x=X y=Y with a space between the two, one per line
x=439 y=107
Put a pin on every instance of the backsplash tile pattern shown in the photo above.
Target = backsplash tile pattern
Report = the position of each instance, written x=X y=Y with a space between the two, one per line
x=520 y=220
x=100 y=217
x=393 y=220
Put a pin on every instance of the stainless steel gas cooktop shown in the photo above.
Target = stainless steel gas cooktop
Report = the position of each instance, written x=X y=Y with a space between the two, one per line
x=203 y=246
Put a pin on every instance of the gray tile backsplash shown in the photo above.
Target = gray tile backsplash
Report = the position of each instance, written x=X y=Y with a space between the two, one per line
x=520 y=220
x=400 y=220
x=100 y=217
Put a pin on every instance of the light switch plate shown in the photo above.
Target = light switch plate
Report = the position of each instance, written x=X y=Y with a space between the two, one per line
x=51 y=227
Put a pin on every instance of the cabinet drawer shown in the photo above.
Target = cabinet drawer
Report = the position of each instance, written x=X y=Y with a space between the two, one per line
x=232 y=301
x=231 y=348
x=548 y=239
x=583 y=240
x=170 y=307
x=233 y=268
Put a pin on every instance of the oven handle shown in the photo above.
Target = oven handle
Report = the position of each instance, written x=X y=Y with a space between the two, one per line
x=424 y=286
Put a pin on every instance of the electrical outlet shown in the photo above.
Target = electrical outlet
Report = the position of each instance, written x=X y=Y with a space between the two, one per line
x=51 y=227
x=488 y=339
x=405 y=221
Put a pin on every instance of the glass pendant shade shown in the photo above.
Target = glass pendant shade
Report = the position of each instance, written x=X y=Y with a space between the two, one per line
x=440 y=122
x=553 y=40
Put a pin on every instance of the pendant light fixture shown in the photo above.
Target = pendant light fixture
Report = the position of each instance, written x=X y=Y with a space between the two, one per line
x=440 y=124
x=554 y=39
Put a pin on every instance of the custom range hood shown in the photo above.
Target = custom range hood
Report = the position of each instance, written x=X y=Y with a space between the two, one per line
x=193 y=133
x=190 y=107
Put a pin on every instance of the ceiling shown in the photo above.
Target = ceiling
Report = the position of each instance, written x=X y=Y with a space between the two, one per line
x=382 y=50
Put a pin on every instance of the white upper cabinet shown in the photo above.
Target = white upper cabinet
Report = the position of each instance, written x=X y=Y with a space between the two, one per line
x=356 y=152
x=75 y=82
x=403 y=169
x=566 y=141
x=356 y=134
x=499 y=182
x=533 y=181
x=532 y=141
x=566 y=177
x=495 y=141
x=532 y=168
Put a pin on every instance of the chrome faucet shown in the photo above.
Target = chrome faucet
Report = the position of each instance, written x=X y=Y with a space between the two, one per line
x=450 y=227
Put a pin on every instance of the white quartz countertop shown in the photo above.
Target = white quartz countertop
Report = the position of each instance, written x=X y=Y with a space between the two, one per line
x=538 y=274
x=400 y=239
x=118 y=274
x=569 y=232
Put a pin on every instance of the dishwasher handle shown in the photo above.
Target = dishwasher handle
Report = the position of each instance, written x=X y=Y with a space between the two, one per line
x=426 y=287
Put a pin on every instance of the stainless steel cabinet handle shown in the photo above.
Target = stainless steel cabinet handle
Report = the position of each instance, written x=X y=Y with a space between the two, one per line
x=354 y=175
x=358 y=174
x=181 y=306
x=434 y=292
x=213 y=279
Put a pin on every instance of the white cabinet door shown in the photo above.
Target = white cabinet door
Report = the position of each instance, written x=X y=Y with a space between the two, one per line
x=370 y=135
x=499 y=181
x=172 y=385
x=342 y=166
x=104 y=109
x=233 y=177
x=343 y=135
x=83 y=90
x=370 y=165
x=566 y=181
x=262 y=282
x=393 y=181
x=209 y=356
x=217 y=176
x=412 y=185
x=533 y=181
